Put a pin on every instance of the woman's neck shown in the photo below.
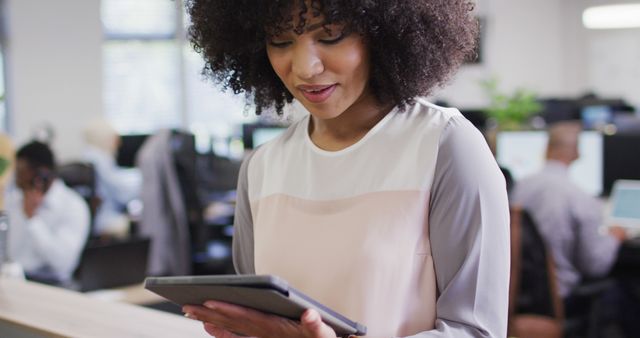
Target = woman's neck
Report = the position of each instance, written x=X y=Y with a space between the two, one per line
x=349 y=127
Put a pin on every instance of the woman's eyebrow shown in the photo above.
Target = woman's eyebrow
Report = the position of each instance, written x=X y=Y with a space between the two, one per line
x=315 y=26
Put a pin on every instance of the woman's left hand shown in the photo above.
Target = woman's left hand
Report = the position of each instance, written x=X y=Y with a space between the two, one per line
x=224 y=320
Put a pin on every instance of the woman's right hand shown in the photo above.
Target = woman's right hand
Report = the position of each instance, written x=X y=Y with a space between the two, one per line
x=220 y=333
x=224 y=320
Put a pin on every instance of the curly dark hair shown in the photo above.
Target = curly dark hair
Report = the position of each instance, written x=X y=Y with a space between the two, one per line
x=414 y=45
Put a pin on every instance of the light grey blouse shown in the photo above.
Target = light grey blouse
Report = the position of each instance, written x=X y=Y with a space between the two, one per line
x=468 y=221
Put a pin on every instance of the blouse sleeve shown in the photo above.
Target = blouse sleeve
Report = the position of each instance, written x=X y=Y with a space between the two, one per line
x=242 y=246
x=469 y=233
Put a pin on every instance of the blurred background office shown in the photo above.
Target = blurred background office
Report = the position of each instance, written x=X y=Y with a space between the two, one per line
x=108 y=78
x=68 y=62
x=115 y=186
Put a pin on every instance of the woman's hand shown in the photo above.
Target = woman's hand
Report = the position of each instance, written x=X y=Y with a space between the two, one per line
x=224 y=320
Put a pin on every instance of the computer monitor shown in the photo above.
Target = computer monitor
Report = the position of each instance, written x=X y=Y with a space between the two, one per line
x=254 y=135
x=559 y=109
x=621 y=160
x=129 y=146
x=523 y=153
x=595 y=117
x=110 y=264
x=625 y=198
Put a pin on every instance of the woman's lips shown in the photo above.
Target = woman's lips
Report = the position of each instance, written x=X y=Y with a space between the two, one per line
x=317 y=94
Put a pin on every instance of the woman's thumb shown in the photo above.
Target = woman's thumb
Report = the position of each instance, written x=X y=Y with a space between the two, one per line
x=312 y=321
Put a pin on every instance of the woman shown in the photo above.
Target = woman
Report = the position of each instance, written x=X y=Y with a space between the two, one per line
x=382 y=206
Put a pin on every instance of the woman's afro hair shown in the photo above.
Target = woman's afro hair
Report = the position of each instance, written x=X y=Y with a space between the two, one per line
x=414 y=45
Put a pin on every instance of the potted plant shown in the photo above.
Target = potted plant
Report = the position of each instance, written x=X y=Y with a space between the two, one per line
x=510 y=112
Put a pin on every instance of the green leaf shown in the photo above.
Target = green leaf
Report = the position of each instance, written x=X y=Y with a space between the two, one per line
x=510 y=110
x=4 y=164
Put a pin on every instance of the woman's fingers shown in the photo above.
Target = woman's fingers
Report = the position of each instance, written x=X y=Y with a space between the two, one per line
x=314 y=326
x=218 y=332
x=212 y=330
x=237 y=319
x=222 y=320
x=218 y=318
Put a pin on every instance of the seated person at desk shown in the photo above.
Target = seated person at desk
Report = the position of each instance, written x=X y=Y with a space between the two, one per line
x=115 y=186
x=49 y=222
x=567 y=218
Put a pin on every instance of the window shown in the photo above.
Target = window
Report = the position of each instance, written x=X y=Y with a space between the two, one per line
x=3 y=95
x=3 y=110
x=152 y=76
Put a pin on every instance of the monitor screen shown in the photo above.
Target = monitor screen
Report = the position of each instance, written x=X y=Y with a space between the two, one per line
x=254 y=135
x=621 y=159
x=262 y=135
x=594 y=117
x=129 y=146
x=523 y=153
x=626 y=204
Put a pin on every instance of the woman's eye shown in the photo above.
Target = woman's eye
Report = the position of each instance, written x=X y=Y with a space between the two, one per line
x=333 y=40
x=279 y=44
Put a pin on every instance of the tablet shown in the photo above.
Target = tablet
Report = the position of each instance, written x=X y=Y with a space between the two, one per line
x=265 y=293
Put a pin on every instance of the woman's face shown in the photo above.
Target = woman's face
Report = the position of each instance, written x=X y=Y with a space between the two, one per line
x=327 y=71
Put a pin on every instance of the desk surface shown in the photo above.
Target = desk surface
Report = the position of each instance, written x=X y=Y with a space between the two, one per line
x=132 y=294
x=36 y=310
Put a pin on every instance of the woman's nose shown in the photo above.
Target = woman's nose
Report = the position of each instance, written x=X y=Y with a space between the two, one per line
x=307 y=63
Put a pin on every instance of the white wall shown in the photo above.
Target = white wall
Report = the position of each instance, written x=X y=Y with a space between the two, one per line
x=614 y=59
x=542 y=45
x=54 y=53
x=522 y=47
x=574 y=43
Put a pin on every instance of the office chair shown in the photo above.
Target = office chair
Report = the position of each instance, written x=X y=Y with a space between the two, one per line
x=535 y=307
x=210 y=248
x=81 y=177
x=584 y=316
x=173 y=212
x=184 y=157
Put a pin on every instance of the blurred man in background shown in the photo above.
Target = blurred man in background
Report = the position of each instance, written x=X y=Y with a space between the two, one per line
x=49 y=222
x=570 y=223
x=568 y=218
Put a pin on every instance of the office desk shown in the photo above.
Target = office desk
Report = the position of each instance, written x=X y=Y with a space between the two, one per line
x=29 y=310
x=132 y=294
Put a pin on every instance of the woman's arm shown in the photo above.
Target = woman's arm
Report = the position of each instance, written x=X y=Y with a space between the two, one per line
x=469 y=233
x=243 y=259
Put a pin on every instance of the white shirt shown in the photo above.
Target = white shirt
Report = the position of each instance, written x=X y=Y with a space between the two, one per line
x=115 y=187
x=49 y=243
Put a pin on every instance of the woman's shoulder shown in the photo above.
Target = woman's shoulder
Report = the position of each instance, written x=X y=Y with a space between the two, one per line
x=424 y=117
x=426 y=106
x=423 y=111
